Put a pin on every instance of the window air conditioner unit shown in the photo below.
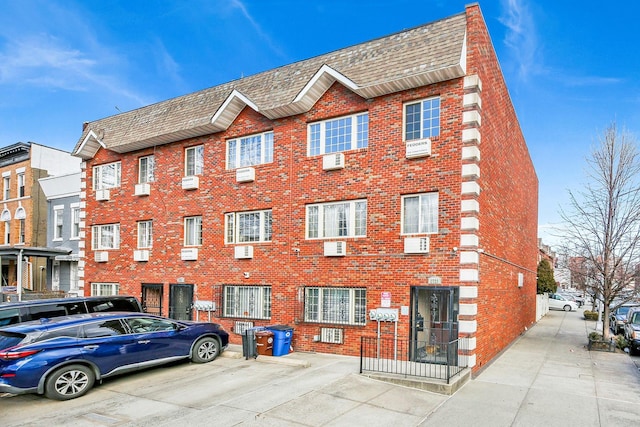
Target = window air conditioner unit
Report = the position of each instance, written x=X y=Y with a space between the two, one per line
x=141 y=255
x=332 y=335
x=419 y=148
x=416 y=245
x=243 y=252
x=143 y=189
x=189 y=254
x=245 y=175
x=335 y=248
x=103 y=194
x=333 y=161
x=101 y=256
x=241 y=327
x=190 y=182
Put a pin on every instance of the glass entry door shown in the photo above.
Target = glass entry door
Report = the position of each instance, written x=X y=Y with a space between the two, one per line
x=434 y=323
x=181 y=302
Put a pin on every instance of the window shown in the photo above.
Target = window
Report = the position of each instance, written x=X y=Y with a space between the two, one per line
x=6 y=187
x=422 y=119
x=145 y=235
x=420 y=214
x=75 y=221
x=193 y=231
x=105 y=328
x=106 y=236
x=23 y=231
x=249 y=302
x=21 y=185
x=335 y=305
x=58 y=220
x=243 y=227
x=7 y=232
x=343 y=219
x=250 y=150
x=106 y=176
x=102 y=289
x=146 y=168
x=332 y=136
x=194 y=160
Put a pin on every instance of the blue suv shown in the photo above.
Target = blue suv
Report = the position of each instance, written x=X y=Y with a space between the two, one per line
x=63 y=357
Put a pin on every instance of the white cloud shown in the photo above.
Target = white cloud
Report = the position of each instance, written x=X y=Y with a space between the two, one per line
x=521 y=37
x=264 y=36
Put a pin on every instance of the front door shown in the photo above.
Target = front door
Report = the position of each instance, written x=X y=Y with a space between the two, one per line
x=152 y=298
x=434 y=325
x=181 y=302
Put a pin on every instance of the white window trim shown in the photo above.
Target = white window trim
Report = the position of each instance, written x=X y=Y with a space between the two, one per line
x=149 y=231
x=149 y=177
x=263 y=299
x=75 y=207
x=195 y=149
x=404 y=118
x=58 y=209
x=7 y=232
x=96 y=236
x=353 y=136
x=402 y=216
x=232 y=220
x=352 y=306
x=6 y=187
x=98 y=179
x=195 y=238
x=264 y=151
x=351 y=219
x=97 y=289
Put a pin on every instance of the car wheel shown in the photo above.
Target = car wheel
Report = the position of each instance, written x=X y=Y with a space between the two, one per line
x=69 y=382
x=567 y=307
x=205 y=350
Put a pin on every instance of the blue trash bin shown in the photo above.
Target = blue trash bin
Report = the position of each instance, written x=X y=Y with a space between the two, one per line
x=282 y=336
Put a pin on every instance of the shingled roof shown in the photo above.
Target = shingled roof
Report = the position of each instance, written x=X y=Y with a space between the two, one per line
x=417 y=57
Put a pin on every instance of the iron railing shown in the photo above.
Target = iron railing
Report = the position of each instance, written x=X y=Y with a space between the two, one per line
x=411 y=358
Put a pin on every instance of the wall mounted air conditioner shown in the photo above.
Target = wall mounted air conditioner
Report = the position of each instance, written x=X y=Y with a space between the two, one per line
x=189 y=254
x=190 y=182
x=103 y=194
x=243 y=252
x=143 y=189
x=332 y=335
x=335 y=248
x=101 y=256
x=333 y=161
x=245 y=174
x=416 y=245
x=419 y=148
x=141 y=255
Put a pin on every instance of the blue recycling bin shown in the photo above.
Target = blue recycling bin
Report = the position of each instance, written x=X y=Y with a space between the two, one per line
x=282 y=336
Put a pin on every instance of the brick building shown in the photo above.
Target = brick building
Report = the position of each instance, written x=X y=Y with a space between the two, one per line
x=385 y=180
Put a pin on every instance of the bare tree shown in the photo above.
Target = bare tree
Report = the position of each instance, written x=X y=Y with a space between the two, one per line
x=603 y=222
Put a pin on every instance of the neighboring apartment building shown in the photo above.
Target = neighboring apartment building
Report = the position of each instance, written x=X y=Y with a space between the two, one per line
x=385 y=188
x=63 y=230
x=24 y=212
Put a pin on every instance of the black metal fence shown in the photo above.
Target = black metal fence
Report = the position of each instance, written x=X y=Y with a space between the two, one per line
x=439 y=360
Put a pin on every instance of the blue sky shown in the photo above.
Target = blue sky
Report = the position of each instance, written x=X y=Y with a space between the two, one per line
x=572 y=68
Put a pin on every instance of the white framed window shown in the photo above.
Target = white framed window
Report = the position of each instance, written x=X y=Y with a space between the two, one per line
x=23 y=231
x=247 y=302
x=193 y=231
x=6 y=187
x=346 y=306
x=75 y=221
x=194 y=160
x=420 y=213
x=21 y=185
x=146 y=169
x=58 y=222
x=422 y=119
x=102 y=289
x=145 y=234
x=254 y=226
x=7 y=232
x=337 y=219
x=250 y=150
x=106 y=176
x=336 y=135
x=105 y=236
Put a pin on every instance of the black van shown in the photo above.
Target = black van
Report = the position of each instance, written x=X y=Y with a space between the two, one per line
x=18 y=312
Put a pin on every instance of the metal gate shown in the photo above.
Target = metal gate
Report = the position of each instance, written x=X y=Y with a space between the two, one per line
x=181 y=302
x=152 y=298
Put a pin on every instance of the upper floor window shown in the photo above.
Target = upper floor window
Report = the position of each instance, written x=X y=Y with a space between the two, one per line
x=346 y=306
x=250 y=150
x=21 y=185
x=106 y=236
x=75 y=221
x=146 y=168
x=420 y=214
x=248 y=302
x=193 y=231
x=6 y=187
x=106 y=176
x=23 y=231
x=7 y=232
x=340 y=219
x=342 y=134
x=243 y=227
x=145 y=234
x=422 y=119
x=58 y=220
x=194 y=160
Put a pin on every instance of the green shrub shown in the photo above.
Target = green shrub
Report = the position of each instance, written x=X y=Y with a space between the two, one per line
x=595 y=336
x=591 y=315
x=621 y=342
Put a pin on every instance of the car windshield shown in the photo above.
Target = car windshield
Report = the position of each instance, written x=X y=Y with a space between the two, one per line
x=635 y=318
x=10 y=339
x=623 y=310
